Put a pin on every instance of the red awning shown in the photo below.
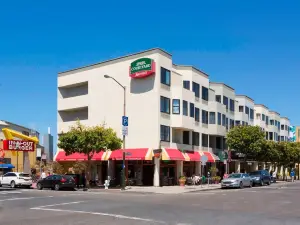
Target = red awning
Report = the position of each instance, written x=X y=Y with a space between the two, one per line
x=131 y=154
x=210 y=156
x=172 y=154
x=61 y=156
x=193 y=156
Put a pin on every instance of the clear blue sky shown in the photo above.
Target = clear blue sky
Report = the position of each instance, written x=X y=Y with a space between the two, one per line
x=253 y=46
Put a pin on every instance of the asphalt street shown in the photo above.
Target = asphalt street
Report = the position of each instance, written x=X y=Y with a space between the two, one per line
x=262 y=205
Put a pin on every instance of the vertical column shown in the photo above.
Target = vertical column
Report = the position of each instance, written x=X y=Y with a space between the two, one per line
x=198 y=168
x=111 y=168
x=156 y=172
x=99 y=172
x=237 y=166
x=179 y=168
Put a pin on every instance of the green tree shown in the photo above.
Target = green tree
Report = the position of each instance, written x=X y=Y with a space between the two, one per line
x=247 y=140
x=88 y=140
x=269 y=152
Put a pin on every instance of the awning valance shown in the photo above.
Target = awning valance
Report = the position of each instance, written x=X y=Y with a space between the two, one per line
x=130 y=154
x=192 y=156
x=61 y=156
x=173 y=154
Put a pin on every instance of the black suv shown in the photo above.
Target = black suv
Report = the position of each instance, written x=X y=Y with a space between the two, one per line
x=260 y=177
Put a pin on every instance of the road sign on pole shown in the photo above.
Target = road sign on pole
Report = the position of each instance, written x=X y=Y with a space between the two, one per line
x=124 y=130
x=125 y=121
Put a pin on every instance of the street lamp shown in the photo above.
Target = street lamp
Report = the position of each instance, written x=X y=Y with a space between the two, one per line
x=124 y=114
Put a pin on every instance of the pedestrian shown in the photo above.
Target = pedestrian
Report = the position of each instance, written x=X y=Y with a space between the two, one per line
x=293 y=175
x=43 y=175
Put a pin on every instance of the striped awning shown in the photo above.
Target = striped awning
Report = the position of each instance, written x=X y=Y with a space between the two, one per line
x=61 y=156
x=211 y=156
x=130 y=154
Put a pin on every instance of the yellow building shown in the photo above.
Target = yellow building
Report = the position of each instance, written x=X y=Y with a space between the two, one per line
x=297 y=133
x=22 y=161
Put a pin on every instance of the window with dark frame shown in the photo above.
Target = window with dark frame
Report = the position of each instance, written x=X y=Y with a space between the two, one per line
x=282 y=127
x=247 y=110
x=223 y=120
x=185 y=110
x=196 y=89
x=219 y=119
x=204 y=117
x=186 y=137
x=176 y=106
x=212 y=118
x=165 y=76
x=231 y=105
x=196 y=138
x=164 y=133
x=164 y=105
x=267 y=120
x=218 y=98
x=251 y=114
x=197 y=114
x=186 y=84
x=205 y=93
x=241 y=108
x=225 y=101
x=192 y=110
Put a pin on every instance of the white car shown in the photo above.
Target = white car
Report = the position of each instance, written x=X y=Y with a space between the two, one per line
x=14 y=179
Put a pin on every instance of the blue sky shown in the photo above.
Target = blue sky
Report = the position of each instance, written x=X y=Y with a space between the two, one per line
x=253 y=46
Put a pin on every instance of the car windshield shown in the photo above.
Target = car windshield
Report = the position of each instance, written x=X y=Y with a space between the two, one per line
x=24 y=175
x=235 y=175
x=255 y=173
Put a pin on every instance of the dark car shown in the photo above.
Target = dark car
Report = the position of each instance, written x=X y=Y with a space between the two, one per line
x=56 y=182
x=261 y=177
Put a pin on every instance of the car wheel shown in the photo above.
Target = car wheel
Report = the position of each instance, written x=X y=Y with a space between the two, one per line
x=261 y=183
x=39 y=186
x=241 y=185
x=269 y=182
x=56 y=187
x=12 y=184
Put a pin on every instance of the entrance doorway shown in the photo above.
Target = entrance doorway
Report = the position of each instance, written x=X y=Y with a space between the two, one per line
x=148 y=173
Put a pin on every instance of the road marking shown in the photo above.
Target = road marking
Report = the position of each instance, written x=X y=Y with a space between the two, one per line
x=65 y=203
x=104 y=214
x=9 y=192
x=15 y=199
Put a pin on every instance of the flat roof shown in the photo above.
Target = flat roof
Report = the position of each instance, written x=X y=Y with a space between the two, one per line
x=274 y=112
x=14 y=124
x=285 y=118
x=114 y=59
x=262 y=105
x=251 y=99
x=222 y=84
x=190 y=67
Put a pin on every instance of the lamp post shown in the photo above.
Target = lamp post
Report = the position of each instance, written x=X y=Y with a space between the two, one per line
x=124 y=114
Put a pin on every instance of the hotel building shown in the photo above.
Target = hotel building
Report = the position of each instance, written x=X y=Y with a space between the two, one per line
x=170 y=107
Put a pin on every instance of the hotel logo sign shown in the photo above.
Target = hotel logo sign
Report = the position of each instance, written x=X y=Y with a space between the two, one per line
x=141 y=68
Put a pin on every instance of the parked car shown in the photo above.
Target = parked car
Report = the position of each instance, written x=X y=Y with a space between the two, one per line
x=56 y=182
x=237 y=180
x=261 y=177
x=14 y=179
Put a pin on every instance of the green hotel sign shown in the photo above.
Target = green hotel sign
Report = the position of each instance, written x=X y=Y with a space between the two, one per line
x=141 y=68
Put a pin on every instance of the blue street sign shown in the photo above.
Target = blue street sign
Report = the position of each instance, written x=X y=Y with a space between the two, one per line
x=125 y=121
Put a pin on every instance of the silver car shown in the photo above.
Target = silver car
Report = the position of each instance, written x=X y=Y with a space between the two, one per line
x=237 y=180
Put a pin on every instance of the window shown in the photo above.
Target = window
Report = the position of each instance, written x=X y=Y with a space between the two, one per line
x=267 y=120
x=186 y=137
x=176 y=106
x=237 y=122
x=204 y=117
x=247 y=110
x=196 y=138
x=219 y=118
x=164 y=133
x=196 y=89
x=271 y=136
x=282 y=127
x=212 y=118
x=241 y=108
x=192 y=110
x=225 y=101
x=197 y=114
x=205 y=93
x=231 y=124
x=204 y=140
x=218 y=98
x=263 y=117
x=286 y=127
x=165 y=76
x=185 y=108
x=226 y=123
x=164 y=104
x=251 y=114
x=271 y=122
x=243 y=123
x=258 y=116
x=223 y=120
x=276 y=123
x=231 y=105
x=282 y=138
x=186 y=84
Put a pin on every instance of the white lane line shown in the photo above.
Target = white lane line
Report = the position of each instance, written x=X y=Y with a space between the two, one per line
x=65 y=203
x=9 y=192
x=104 y=214
x=15 y=199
